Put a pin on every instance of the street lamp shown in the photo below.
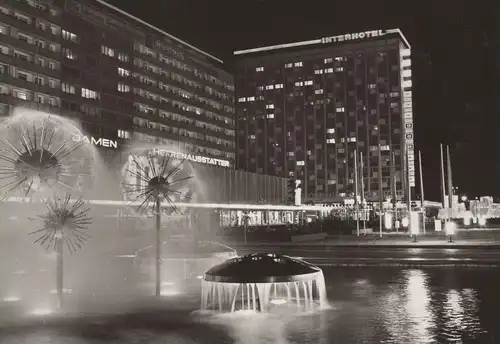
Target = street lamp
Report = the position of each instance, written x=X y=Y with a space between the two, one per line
x=450 y=228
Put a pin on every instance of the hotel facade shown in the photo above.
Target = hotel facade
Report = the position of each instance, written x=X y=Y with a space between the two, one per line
x=303 y=109
x=126 y=82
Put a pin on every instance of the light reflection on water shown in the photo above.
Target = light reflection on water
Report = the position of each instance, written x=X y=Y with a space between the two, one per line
x=387 y=306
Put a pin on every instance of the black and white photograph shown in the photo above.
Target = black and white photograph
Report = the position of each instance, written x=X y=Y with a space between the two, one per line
x=249 y=172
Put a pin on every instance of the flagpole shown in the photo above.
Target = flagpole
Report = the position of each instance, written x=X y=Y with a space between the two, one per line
x=394 y=189
x=381 y=198
x=356 y=204
x=409 y=192
x=450 y=181
x=443 y=185
x=361 y=163
x=421 y=189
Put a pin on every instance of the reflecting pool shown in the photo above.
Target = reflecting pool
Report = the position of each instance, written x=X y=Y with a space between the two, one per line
x=366 y=306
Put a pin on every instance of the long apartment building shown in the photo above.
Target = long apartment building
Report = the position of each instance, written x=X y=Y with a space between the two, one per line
x=121 y=77
x=304 y=108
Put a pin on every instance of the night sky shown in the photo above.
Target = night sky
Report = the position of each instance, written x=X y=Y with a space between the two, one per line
x=455 y=58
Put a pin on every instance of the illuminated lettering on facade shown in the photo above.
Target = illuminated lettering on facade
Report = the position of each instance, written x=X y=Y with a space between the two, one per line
x=407 y=103
x=353 y=36
x=191 y=157
x=165 y=47
x=96 y=142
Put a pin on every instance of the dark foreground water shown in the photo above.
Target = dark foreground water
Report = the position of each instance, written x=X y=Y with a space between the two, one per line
x=367 y=306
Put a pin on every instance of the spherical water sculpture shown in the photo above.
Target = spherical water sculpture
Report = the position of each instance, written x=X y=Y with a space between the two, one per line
x=261 y=282
x=40 y=153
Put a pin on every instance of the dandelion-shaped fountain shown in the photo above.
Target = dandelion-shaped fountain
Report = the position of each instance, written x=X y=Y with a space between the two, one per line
x=158 y=182
x=263 y=282
x=64 y=224
x=39 y=157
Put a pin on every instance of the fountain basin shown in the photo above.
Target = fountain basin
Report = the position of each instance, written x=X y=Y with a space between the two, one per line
x=182 y=263
x=261 y=281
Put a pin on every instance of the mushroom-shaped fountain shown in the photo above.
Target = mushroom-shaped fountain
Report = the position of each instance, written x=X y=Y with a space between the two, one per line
x=261 y=282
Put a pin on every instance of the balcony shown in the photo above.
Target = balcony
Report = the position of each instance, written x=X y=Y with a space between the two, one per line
x=186 y=74
x=30 y=10
x=30 y=48
x=18 y=82
x=29 y=66
x=181 y=125
x=8 y=99
x=170 y=107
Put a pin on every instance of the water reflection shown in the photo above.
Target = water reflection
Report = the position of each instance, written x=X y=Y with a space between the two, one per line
x=406 y=310
x=460 y=316
x=417 y=303
x=369 y=306
x=412 y=306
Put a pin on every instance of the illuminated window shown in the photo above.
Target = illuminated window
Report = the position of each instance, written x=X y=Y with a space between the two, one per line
x=69 y=54
x=242 y=100
x=123 y=72
x=330 y=140
x=329 y=70
x=67 y=88
x=259 y=69
x=329 y=60
x=107 y=51
x=330 y=131
x=278 y=86
x=251 y=99
x=340 y=109
x=308 y=83
x=123 y=87
x=319 y=91
x=269 y=87
x=298 y=64
x=123 y=134
x=299 y=83
x=69 y=36
x=289 y=65
x=86 y=93
x=270 y=106
x=270 y=115
x=318 y=71
x=339 y=69
x=21 y=94
x=123 y=57
x=301 y=163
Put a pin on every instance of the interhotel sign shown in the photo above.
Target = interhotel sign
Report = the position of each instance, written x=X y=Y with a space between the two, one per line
x=191 y=157
x=353 y=36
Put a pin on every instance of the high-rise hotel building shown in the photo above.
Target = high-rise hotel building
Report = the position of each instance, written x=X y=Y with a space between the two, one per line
x=121 y=77
x=303 y=109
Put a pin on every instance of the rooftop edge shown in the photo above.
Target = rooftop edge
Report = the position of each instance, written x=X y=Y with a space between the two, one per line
x=325 y=40
x=114 y=8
